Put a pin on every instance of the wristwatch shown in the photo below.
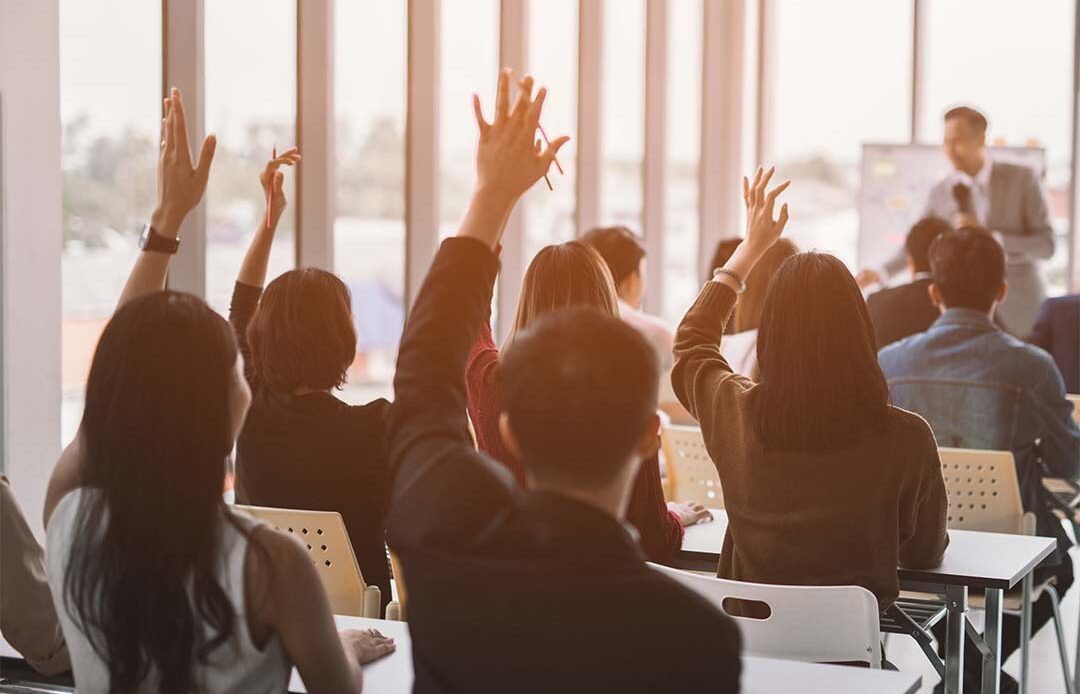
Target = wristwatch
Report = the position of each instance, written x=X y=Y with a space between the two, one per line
x=150 y=240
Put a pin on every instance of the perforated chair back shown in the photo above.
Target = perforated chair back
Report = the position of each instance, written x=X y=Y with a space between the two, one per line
x=819 y=624
x=691 y=472
x=983 y=490
x=327 y=541
x=1075 y=400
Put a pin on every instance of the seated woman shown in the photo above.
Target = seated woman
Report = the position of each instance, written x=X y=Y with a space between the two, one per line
x=824 y=482
x=159 y=586
x=301 y=447
x=561 y=276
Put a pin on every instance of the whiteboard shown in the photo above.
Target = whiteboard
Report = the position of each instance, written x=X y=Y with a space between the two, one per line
x=895 y=182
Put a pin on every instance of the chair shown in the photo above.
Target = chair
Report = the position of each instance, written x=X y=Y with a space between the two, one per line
x=820 y=624
x=691 y=472
x=327 y=540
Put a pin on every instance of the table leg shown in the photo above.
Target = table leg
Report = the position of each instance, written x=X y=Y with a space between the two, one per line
x=1025 y=632
x=956 y=606
x=991 y=665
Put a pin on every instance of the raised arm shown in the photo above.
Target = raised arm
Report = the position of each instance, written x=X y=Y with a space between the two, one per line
x=438 y=476
x=180 y=187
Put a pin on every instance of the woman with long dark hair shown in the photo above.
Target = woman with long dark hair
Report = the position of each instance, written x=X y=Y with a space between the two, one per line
x=159 y=585
x=825 y=483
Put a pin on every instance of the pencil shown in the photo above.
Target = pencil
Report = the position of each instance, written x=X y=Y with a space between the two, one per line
x=557 y=165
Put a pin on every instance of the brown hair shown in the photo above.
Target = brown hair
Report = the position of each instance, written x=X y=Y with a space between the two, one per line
x=561 y=276
x=620 y=248
x=975 y=120
x=968 y=268
x=302 y=334
x=747 y=314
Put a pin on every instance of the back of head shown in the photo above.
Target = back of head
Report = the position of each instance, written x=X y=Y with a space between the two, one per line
x=920 y=238
x=156 y=432
x=620 y=248
x=747 y=314
x=821 y=387
x=563 y=276
x=968 y=268
x=579 y=388
x=724 y=250
x=302 y=335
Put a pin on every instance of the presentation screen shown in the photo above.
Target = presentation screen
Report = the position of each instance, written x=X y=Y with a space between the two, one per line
x=895 y=182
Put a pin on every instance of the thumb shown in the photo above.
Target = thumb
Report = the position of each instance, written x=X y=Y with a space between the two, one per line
x=206 y=157
x=554 y=147
x=279 y=185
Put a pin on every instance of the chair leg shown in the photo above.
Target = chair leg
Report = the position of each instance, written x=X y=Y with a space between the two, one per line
x=1069 y=688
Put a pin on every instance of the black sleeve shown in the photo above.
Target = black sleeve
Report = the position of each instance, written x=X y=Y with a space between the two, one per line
x=443 y=490
x=245 y=301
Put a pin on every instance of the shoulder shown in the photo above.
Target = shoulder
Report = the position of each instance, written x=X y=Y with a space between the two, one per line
x=1064 y=304
x=889 y=354
x=908 y=423
x=1016 y=172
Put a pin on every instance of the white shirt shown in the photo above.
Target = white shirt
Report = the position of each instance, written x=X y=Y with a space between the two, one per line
x=980 y=188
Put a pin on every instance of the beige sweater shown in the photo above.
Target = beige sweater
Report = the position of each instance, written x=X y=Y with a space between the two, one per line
x=849 y=517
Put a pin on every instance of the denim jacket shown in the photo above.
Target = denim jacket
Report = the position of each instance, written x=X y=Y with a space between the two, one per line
x=979 y=387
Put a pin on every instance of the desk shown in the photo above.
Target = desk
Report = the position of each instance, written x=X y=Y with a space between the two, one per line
x=394 y=674
x=974 y=560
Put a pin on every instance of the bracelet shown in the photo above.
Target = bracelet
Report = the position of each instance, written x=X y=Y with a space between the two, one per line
x=740 y=285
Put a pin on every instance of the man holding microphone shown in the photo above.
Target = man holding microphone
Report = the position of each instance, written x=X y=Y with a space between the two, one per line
x=1007 y=199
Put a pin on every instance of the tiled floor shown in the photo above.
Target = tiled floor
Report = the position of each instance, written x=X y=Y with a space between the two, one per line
x=1045 y=675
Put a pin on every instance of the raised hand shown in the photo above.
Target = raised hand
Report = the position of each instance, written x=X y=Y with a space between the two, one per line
x=762 y=231
x=509 y=159
x=271 y=176
x=180 y=183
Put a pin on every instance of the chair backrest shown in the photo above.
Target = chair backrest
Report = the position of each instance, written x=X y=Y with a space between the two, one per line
x=984 y=493
x=963 y=414
x=1075 y=400
x=820 y=624
x=691 y=472
x=327 y=541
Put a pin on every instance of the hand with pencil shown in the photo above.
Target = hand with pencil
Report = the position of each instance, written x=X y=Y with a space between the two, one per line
x=273 y=183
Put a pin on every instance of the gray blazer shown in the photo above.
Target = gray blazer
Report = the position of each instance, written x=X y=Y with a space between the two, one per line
x=1019 y=212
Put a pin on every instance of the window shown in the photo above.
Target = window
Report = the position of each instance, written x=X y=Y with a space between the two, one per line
x=680 y=231
x=623 y=113
x=842 y=78
x=1014 y=65
x=553 y=61
x=111 y=118
x=251 y=107
x=469 y=65
x=369 y=232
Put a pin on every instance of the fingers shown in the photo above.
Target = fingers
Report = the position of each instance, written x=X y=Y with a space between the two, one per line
x=179 y=130
x=782 y=222
x=746 y=190
x=206 y=157
x=771 y=197
x=754 y=184
x=759 y=191
x=502 y=96
x=169 y=138
x=524 y=99
x=533 y=115
x=482 y=124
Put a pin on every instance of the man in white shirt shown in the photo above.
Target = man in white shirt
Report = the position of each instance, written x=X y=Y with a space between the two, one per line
x=1005 y=198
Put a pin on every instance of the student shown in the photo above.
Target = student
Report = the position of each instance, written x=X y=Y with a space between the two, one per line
x=980 y=387
x=541 y=589
x=824 y=482
x=897 y=312
x=301 y=447
x=27 y=617
x=562 y=276
x=1057 y=330
x=158 y=584
x=740 y=347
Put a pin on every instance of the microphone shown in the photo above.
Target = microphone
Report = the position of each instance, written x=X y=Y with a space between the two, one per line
x=962 y=194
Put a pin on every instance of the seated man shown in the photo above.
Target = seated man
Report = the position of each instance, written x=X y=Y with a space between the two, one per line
x=1057 y=330
x=542 y=589
x=906 y=309
x=979 y=387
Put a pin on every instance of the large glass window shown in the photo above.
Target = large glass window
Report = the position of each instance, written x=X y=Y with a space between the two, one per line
x=842 y=78
x=623 y=113
x=680 y=231
x=369 y=233
x=251 y=107
x=469 y=65
x=553 y=61
x=111 y=117
x=1015 y=65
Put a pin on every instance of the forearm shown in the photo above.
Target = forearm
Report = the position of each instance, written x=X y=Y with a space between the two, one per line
x=257 y=259
x=1038 y=245
x=699 y=365
x=487 y=216
x=151 y=268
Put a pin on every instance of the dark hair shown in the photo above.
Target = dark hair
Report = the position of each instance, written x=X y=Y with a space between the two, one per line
x=747 y=314
x=156 y=432
x=579 y=387
x=620 y=248
x=821 y=387
x=302 y=334
x=919 y=239
x=724 y=250
x=968 y=266
x=972 y=117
